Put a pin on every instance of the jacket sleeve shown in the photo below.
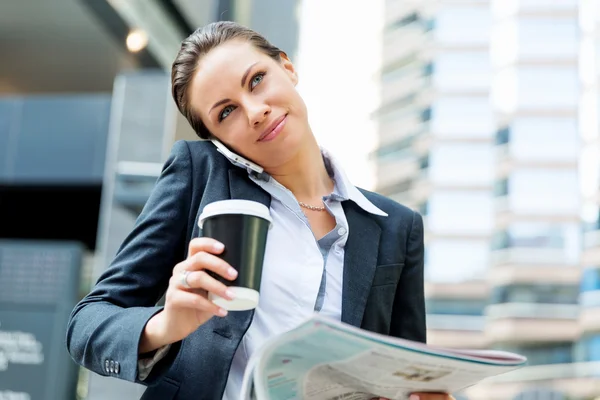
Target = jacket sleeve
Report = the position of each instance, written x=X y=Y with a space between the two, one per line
x=408 y=315
x=105 y=327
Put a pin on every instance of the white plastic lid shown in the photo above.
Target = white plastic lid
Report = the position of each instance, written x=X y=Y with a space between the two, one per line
x=246 y=207
x=245 y=299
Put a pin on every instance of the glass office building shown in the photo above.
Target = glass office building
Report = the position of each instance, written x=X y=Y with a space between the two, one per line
x=488 y=126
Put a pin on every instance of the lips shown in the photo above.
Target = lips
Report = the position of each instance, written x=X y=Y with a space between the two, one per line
x=273 y=129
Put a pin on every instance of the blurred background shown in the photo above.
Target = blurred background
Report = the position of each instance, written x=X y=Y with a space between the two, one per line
x=480 y=114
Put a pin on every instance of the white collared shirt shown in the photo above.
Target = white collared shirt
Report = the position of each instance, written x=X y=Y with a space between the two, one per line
x=301 y=274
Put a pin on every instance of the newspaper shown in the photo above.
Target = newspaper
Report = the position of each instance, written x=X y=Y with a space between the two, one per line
x=323 y=359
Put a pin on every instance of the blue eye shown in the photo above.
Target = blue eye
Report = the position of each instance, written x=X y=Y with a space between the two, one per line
x=225 y=112
x=256 y=79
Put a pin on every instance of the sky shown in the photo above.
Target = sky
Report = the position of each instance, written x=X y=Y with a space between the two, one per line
x=338 y=57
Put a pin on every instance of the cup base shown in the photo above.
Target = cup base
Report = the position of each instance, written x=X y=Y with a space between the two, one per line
x=245 y=299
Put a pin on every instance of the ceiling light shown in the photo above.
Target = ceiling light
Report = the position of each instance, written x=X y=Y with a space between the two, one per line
x=137 y=39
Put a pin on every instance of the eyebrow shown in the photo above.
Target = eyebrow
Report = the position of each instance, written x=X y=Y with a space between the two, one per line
x=244 y=77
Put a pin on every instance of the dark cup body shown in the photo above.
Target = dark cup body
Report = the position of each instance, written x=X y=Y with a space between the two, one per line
x=245 y=239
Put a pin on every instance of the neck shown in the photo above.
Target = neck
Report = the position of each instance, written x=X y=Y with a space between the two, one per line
x=305 y=175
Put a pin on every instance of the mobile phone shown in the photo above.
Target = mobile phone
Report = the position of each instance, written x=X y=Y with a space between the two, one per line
x=236 y=157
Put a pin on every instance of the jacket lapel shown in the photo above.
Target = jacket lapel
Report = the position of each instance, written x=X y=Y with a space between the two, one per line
x=242 y=187
x=360 y=261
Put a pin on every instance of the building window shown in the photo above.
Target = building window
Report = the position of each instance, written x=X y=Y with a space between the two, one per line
x=462 y=71
x=501 y=188
x=529 y=132
x=406 y=20
x=462 y=25
x=546 y=235
x=588 y=348
x=426 y=115
x=500 y=240
x=423 y=208
x=590 y=279
x=455 y=306
x=547 y=87
x=463 y=117
x=539 y=191
x=503 y=136
x=396 y=150
x=534 y=293
x=543 y=354
x=453 y=164
x=466 y=212
x=428 y=69
x=397 y=188
x=547 y=37
x=473 y=255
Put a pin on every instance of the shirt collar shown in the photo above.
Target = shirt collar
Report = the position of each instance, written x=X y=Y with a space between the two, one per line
x=344 y=189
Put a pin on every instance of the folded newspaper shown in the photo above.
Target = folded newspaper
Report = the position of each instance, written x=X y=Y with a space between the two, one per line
x=323 y=359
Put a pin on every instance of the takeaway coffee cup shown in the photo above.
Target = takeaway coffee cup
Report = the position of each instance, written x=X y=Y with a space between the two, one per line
x=242 y=226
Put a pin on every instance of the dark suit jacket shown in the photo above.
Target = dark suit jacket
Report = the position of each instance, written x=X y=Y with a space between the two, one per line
x=382 y=282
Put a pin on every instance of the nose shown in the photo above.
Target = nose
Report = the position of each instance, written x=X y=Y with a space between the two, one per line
x=257 y=113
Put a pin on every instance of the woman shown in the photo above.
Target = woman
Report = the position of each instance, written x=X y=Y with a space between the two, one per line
x=347 y=253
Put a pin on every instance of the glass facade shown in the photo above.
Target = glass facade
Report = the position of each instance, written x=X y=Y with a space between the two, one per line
x=559 y=135
x=547 y=37
x=590 y=281
x=453 y=306
x=535 y=293
x=462 y=25
x=536 y=234
x=588 y=348
x=456 y=260
x=451 y=163
x=511 y=116
x=469 y=70
x=450 y=113
x=461 y=212
x=544 y=191
x=543 y=353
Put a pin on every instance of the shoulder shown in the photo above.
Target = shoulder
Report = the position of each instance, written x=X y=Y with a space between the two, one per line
x=195 y=148
x=200 y=153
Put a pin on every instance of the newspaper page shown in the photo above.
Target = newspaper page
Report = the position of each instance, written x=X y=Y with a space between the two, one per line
x=322 y=363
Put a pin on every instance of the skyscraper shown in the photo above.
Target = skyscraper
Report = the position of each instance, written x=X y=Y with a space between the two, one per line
x=484 y=108
x=436 y=151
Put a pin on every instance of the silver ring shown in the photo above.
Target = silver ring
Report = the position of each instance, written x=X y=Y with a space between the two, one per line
x=183 y=279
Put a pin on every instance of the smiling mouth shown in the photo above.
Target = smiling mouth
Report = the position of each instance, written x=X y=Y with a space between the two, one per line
x=273 y=129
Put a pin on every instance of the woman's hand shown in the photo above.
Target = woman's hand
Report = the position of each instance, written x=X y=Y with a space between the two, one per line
x=186 y=302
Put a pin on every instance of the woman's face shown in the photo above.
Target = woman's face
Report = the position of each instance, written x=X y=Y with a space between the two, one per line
x=249 y=101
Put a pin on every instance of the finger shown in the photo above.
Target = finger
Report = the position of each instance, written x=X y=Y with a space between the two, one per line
x=430 y=396
x=209 y=245
x=202 y=280
x=184 y=299
x=210 y=262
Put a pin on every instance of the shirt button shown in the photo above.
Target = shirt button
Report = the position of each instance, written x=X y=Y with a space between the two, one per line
x=342 y=231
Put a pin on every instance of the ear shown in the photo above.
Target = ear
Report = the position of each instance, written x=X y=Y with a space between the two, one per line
x=288 y=66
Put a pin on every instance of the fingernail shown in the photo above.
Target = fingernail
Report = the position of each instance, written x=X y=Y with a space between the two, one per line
x=218 y=246
x=232 y=272
x=414 y=397
x=222 y=312
x=229 y=293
